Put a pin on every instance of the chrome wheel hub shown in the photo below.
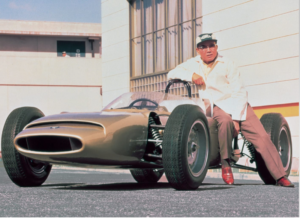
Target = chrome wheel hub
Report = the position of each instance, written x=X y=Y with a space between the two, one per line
x=284 y=147
x=197 y=148
x=192 y=153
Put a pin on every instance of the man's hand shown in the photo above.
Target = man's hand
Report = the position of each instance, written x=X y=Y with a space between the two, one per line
x=236 y=128
x=198 y=80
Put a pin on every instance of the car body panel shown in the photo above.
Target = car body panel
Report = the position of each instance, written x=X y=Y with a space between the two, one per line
x=115 y=138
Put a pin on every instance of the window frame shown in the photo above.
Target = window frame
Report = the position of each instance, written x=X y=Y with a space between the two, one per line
x=166 y=38
x=59 y=42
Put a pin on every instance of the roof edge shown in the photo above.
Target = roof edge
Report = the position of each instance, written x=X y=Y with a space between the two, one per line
x=43 y=33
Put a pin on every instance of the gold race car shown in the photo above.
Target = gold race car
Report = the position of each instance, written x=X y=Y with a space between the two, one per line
x=149 y=133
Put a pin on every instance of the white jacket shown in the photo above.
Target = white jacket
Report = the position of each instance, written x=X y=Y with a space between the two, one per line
x=224 y=86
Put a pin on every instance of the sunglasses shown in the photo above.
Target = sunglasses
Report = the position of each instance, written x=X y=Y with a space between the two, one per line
x=205 y=47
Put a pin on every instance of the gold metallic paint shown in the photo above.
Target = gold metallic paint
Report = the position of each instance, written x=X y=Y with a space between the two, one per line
x=112 y=138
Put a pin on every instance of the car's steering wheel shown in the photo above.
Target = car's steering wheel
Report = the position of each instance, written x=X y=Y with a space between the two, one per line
x=143 y=100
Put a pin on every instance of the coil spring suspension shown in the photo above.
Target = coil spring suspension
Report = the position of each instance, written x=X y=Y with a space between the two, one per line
x=250 y=148
x=154 y=132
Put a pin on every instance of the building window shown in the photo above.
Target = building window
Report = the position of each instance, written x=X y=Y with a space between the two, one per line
x=72 y=48
x=162 y=36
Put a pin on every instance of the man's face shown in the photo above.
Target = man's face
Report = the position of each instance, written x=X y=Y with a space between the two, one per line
x=64 y=54
x=208 y=51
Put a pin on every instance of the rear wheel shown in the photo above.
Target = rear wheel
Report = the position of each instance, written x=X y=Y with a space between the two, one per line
x=147 y=175
x=21 y=170
x=186 y=147
x=278 y=129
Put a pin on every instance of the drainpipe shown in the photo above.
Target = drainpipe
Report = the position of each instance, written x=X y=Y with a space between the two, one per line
x=100 y=48
x=91 y=40
x=92 y=47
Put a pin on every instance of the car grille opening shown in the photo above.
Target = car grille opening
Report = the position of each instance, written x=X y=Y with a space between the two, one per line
x=49 y=143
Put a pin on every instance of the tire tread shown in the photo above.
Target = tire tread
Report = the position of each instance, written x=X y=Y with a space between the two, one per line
x=172 y=152
x=272 y=122
x=12 y=160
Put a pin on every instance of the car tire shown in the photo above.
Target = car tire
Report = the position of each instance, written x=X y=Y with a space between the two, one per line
x=21 y=170
x=147 y=175
x=186 y=144
x=278 y=129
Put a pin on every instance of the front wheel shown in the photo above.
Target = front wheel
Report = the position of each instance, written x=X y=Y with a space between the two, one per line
x=186 y=147
x=278 y=129
x=21 y=170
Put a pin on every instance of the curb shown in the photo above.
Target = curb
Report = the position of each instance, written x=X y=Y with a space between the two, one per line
x=117 y=171
x=238 y=176
x=245 y=176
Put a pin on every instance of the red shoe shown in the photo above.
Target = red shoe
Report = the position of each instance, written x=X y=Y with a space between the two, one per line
x=285 y=182
x=227 y=175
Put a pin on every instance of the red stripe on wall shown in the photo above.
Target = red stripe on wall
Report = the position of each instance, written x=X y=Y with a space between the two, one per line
x=276 y=106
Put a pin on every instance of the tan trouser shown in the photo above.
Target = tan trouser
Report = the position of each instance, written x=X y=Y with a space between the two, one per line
x=255 y=133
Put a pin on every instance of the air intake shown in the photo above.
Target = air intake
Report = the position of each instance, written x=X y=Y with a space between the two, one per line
x=49 y=143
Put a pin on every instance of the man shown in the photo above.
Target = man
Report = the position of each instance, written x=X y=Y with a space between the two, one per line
x=64 y=54
x=220 y=84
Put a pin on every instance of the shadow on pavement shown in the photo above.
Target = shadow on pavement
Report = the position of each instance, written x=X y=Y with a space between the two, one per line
x=61 y=184
x=128 y=187
x=213 y=188
x=235 y=184
x=118 y=187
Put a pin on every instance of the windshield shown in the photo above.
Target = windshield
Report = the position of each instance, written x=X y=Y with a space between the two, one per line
x=150 y=100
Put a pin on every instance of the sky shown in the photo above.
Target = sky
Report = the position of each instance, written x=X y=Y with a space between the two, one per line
x=84 y=11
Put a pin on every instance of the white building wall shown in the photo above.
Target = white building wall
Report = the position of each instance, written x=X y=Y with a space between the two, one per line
x=50 y=28
x=31 y=74
x=263 y=38
x=40 y=46
x=115 y=50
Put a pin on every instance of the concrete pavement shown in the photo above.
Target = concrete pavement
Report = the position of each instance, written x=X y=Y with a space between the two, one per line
x=88 y=193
